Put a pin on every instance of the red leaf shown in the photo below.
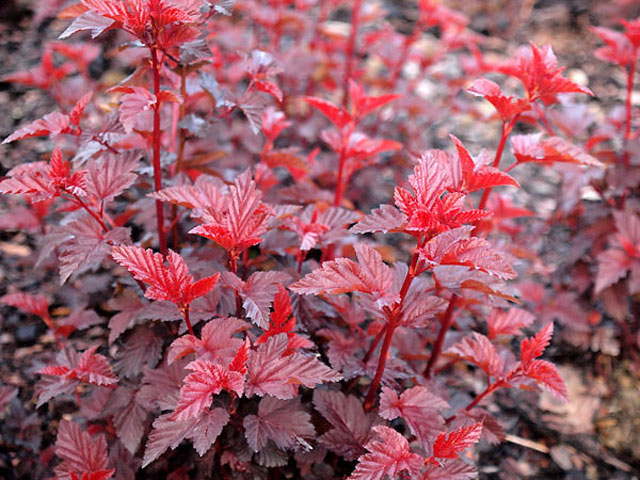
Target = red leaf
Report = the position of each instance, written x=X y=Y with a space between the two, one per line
x=217 y=344
x=370 y=275
x=448 y=446
x=207 y=379
x=531 y=348
x=385 y=219
x=90 y=367
x=452 y=248
x=110 y=175
x=388 y=457
x=80 y=453
x=529 y=148
x=547 y=374
x=35 y=304
x=418 y=407
x=283 y=321
x=54 y=123
x=338 y=116
x=364 y=104
x=508 y=323
x=241 y=222
x=269 y=87
x=481 y=352
x=282 y=422
x=270 y=372
x=477 y=176
x=507 y=107
x=172 y=282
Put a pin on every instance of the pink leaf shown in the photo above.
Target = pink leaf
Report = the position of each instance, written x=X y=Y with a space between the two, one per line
x=208 y=428
x=272 y=373
x=479 y=350
x=508 y=323
x=386 y=458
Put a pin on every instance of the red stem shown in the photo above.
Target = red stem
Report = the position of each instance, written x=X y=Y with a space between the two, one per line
x=374 y=344
x=491 y=387
x=90 y=212
x=187 y=319
x=393 y=317
x=446 y=324
x=507 y=127
x=157 y=168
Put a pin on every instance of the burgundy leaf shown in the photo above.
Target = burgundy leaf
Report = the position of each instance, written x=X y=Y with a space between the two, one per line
x=282 y=422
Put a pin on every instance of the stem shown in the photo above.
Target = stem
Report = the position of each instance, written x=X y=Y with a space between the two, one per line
x=187 y=320
x=491 y=387
x=393 y=315
x=340 y=187
x=384 y=352
x=157 y=168
x=507 y=127
x=543 y=118
x=374 y=344
x=629 y=107
x=90 y=212
x=446 y=324
x=351 y=43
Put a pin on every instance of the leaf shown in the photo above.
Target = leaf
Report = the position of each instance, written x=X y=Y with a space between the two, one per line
x=205 y=380
x=91 y=21
x=612 y=266
x=448 y=446
x=386 y=458
x=352 y=426
x=370 y=275
x=272 y=373
x=479 y=350
x=80 y=453
x=476 y=175
x=507 y=107
x=258 y=292
x=166 y=433
x=201 y=195
x=453 y=248
x=135 y=101
x=269 y=87
x=217 y=343
x=385 y=219
x=54 y=123
x=172 y=283
x=208 y=428
x=365 y=104
x=110 y=175
x=531 y=348
x=282 y=422
x=241 y=222
x=451 y=470
x=129 y=418
x=34 y=304
x=283 y=321
x=547 y=374
x=87 y=246
x=89 y=367
x=418 y=407
x=529 y=148
x=142 y=348
x=508 y=323
x=337 y=115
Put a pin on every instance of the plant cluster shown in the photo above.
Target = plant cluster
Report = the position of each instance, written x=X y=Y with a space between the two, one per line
x=293 y=279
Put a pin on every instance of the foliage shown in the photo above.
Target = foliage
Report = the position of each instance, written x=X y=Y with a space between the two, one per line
x=253 y=140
